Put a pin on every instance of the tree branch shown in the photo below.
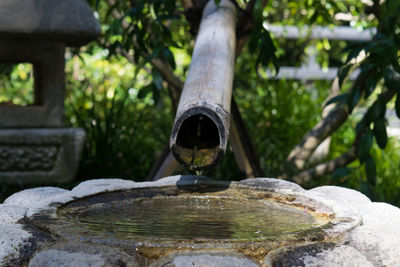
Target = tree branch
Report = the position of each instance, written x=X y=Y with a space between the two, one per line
x=299 y=156
x=327 y=167
x=175 y=85
x=302 y=152
x=346 y=158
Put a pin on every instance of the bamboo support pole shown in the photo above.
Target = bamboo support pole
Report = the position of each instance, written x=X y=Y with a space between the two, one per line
x=201 y=128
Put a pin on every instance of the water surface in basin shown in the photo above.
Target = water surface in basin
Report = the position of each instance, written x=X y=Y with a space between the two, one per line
x=193 y=218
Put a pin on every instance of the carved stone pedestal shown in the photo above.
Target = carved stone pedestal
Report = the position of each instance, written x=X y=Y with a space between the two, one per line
x=39 y=156
x=35 y=148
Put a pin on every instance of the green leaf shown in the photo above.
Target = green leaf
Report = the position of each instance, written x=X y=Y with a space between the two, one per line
x=135 y=11
x=169 y=57
x=267 y=51
x=340 y=173
x=156 y=95
x=377 y=110
x=353 y=53
x=157 y=79
x=255 y=38
x=258 y=12
x=390 y=81
x=217 y=2
x=397 y=105
x=144 y=91
x=365 y=145
x=155 y=53
x=353 y=98
x=367 y=189
x=338 y=98
x=370 y=170
x=360 y=126
x=110 y=10
x=343 y=72
x=380 y=133
x=370 y=84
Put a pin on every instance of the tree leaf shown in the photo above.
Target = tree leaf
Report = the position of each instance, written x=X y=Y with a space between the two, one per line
x=258 y=12
x=254 y=38
x=169 y=57
x=378 y=109
x=365 y=145
x=343 y=72
x=338 y=98
x=110 y=10
x=367 y=189
x=157 y=79
x=390 y=81
x=267 y=51
x=360 y=126
x=397 y=105
x=353 y=53
x=144 y=91
x=156 y=95
x=135 y=11
x=340 y=173
x=370 y=170
x=370 y=84
x=353 y=98
x=155 y=53
x=380 y=133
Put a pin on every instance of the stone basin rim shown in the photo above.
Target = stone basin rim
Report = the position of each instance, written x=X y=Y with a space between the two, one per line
x=279 y=191
x=48 y=200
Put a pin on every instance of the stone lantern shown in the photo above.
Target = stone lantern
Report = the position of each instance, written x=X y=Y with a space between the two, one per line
x=35 y=146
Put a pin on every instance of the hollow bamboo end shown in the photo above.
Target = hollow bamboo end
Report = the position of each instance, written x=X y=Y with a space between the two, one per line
x=199 y=138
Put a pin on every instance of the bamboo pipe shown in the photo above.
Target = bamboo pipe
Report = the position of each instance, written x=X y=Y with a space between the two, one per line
x=201 y=128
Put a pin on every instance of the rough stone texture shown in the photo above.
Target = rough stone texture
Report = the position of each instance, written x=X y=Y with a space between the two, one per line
x=12 y=240
x=204 y=259
x=11 y=214
x=67 y=254
x=71 y=21
x=37 y=199
x=52 y=257
x=91 y=187
x=379 y=236
x=324 y=254
x=39 y=155
x=368 y=236
x=276 y=185
x=349 y=196
x=345 y=256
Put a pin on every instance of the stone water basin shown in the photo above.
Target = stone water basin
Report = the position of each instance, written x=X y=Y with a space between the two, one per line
x=183 y=221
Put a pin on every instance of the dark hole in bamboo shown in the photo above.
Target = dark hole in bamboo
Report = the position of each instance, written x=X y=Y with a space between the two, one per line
x=197 y=142
x=198 y=131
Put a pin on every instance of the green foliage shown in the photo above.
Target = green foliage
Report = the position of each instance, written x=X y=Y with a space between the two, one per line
x=124 y=127
x=16 y=84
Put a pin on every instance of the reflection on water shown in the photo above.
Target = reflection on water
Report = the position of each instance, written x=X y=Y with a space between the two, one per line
x=188 y=218
x=196 y=158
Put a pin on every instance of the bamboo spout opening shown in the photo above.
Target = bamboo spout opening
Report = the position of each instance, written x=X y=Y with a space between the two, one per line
x=198 y=139
x=198 y=131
